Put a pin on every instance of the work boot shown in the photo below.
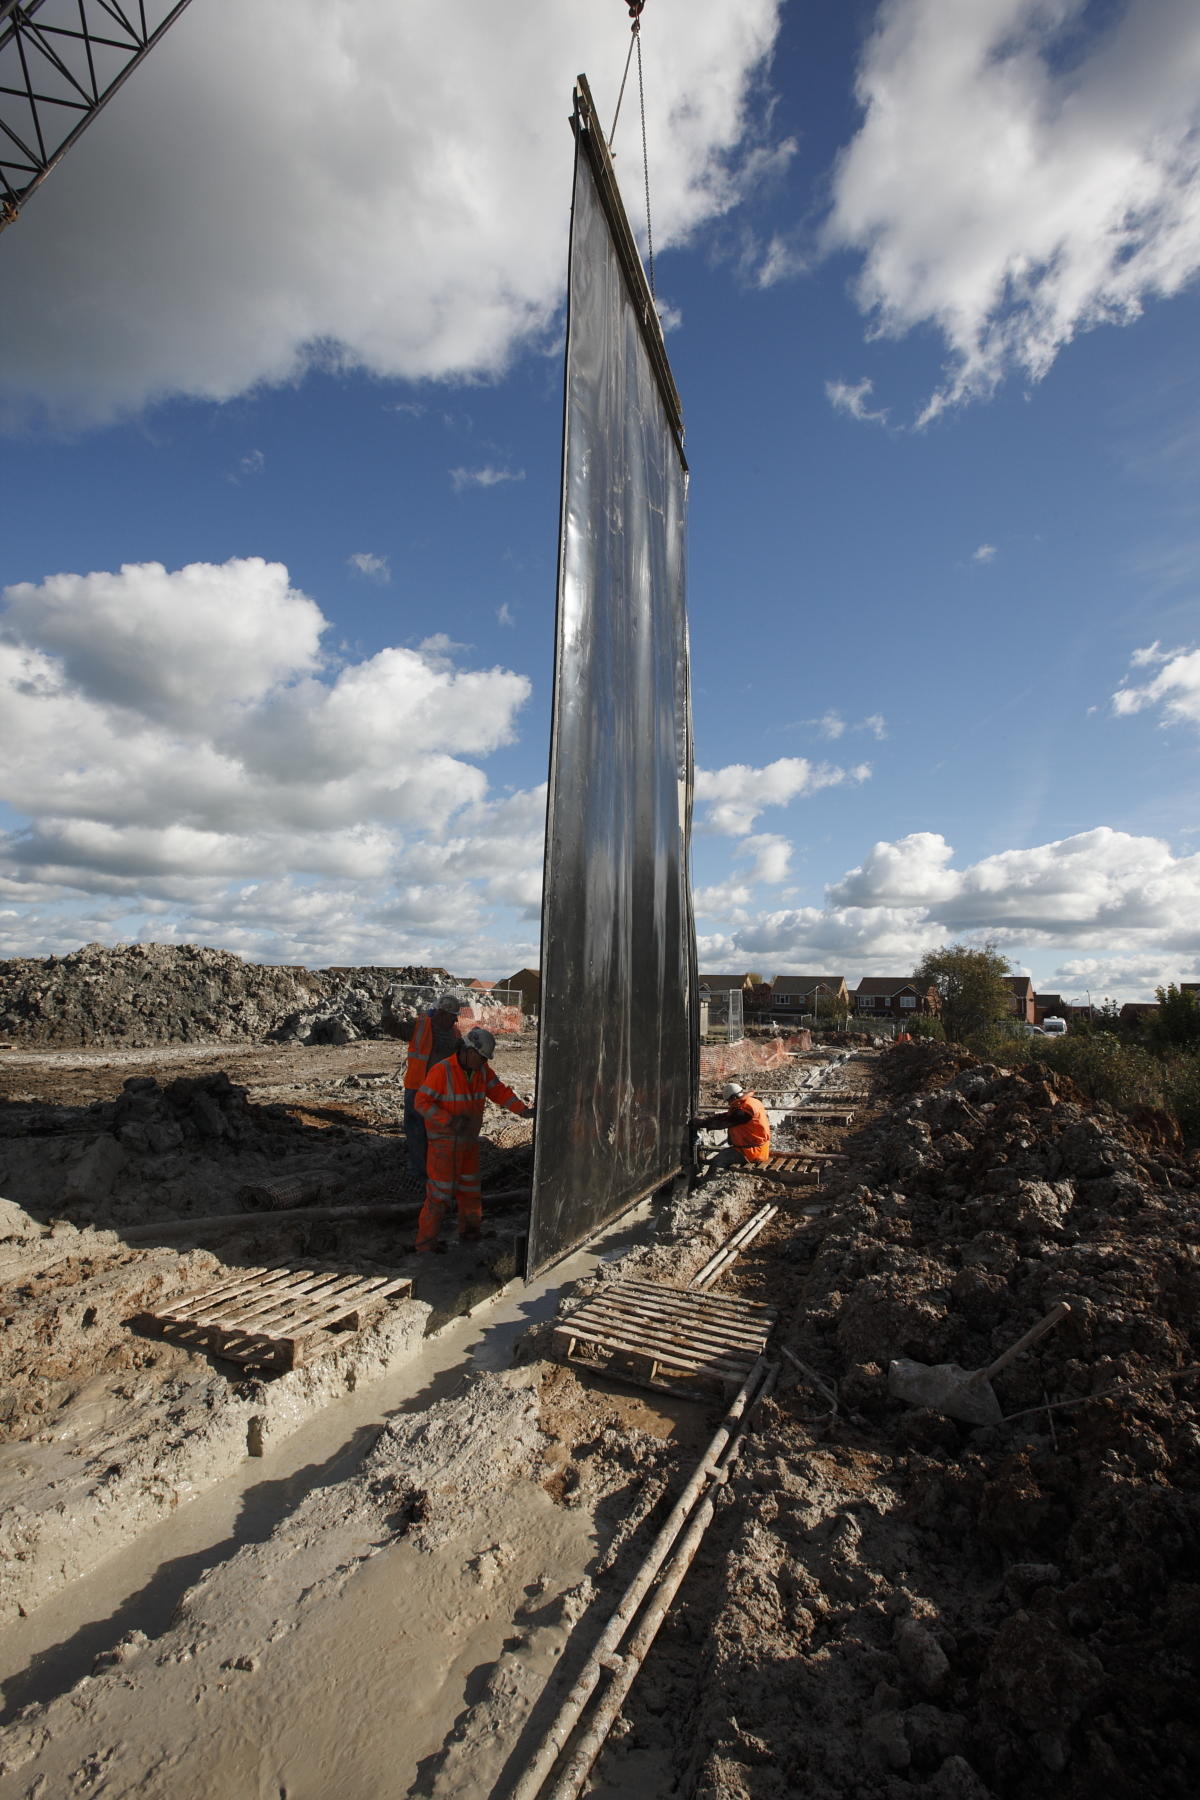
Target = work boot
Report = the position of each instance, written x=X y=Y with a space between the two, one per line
x=471 y=1235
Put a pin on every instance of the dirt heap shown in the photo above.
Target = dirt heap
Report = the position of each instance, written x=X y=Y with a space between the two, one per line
x=893 y=1603
x=143 y=994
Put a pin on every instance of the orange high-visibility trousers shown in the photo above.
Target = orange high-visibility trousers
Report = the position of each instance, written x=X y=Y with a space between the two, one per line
x=452 y=1173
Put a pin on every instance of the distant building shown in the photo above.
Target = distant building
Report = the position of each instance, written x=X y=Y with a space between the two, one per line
x=1137 y=1012
x=794 y=995
x=528 y=983
x=894 y=997
x=1023 y=1004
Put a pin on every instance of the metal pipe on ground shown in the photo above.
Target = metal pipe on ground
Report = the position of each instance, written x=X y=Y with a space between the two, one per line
x=287 y=1215
x=554 y=1742
x=733 y=1244
x=627 y=1667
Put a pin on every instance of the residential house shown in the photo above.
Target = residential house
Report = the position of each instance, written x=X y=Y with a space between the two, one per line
x=792 y=996
x=528 y=983
x=724 y=984
x=1050 y=1006
x=1023 y=1004
x=1137 y=1012
x=893 y=997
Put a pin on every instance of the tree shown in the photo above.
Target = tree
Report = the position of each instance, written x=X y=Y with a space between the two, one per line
x=832 y=1007
x=1177 y=1021
x=971 y=985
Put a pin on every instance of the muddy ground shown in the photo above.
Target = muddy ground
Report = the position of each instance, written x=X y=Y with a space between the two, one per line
x=889 y=1603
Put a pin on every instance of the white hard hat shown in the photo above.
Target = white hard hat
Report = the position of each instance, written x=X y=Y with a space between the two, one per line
x=731 y=1090
x=482 y=1040
x=451 y=1003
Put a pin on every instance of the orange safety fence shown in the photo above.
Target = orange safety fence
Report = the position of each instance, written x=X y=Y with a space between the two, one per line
x=719 y=1061
x=498 y=1019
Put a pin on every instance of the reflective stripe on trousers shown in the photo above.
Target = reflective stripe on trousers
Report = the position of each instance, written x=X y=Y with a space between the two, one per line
x=452 y=1168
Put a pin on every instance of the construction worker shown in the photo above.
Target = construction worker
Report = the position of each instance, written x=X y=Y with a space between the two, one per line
x=749 y=1140
x=432 y=1036
x=451 y=1100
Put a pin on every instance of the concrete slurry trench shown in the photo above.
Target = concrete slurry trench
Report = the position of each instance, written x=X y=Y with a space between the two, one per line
x=414 y=1553
x=138 y=1588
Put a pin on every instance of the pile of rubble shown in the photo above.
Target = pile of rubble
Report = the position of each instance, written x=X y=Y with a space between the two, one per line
x=898 y=1603
x=143 y=994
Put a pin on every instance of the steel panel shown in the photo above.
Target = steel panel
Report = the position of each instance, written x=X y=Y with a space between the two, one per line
x=616 y=1080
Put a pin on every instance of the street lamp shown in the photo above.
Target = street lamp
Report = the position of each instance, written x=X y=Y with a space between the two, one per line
x=817 y=992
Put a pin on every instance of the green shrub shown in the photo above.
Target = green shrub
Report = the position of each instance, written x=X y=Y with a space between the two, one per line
x=1104 y=1068
x=924 y=1025
x=1001 y=1043
x=1182 y=1084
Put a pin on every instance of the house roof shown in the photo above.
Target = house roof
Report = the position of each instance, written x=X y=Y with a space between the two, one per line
x=1020 y=984
x=722 y=983
x=804 y=984
x=886 y=984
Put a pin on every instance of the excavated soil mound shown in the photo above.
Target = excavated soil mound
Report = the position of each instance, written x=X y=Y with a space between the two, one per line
x=892 y=1603
x=144 y=994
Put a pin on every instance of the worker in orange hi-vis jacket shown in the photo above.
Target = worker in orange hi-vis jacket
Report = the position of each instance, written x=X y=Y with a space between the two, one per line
x=432 y=1036
x=451 y=1101
x=749 y=1129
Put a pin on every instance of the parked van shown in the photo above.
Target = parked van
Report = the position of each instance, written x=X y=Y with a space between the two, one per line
x=1054 y=1027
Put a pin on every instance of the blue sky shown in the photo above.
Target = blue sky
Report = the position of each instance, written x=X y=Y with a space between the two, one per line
x=282 y=407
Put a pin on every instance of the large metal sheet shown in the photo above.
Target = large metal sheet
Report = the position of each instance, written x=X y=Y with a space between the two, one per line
x=615 y=1058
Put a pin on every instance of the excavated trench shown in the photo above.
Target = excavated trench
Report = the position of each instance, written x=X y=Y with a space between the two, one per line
x=889 y=1604
x=435 y=1533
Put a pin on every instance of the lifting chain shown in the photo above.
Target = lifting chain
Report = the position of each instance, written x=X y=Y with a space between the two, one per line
x=636 y=8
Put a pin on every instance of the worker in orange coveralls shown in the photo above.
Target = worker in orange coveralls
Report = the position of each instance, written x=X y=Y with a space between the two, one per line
x=451 y=1100
x=749 y=1140
x=432 y=1035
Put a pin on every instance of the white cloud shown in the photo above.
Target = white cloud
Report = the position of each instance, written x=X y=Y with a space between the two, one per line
x=779 y=260
x=911 y=872
x=1025 y=170
x=486 y=477
x=170 y=646
x=832 y=725
x=984 y=554
x=504 y=614
x=253 y=463
x=769 y=857
x=375 y=568
x=168 y=732
x=728 y=900
x=1174 y=689
x=736 y=794
x=305 y=186
x=1129 y=899
x=852 y=400
x=1124 y=977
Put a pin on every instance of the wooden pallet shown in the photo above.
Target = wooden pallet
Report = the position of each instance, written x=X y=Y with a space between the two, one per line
x=274 y=1319
x=824 y=1115
x=789 y=1162
x=678 y=1341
